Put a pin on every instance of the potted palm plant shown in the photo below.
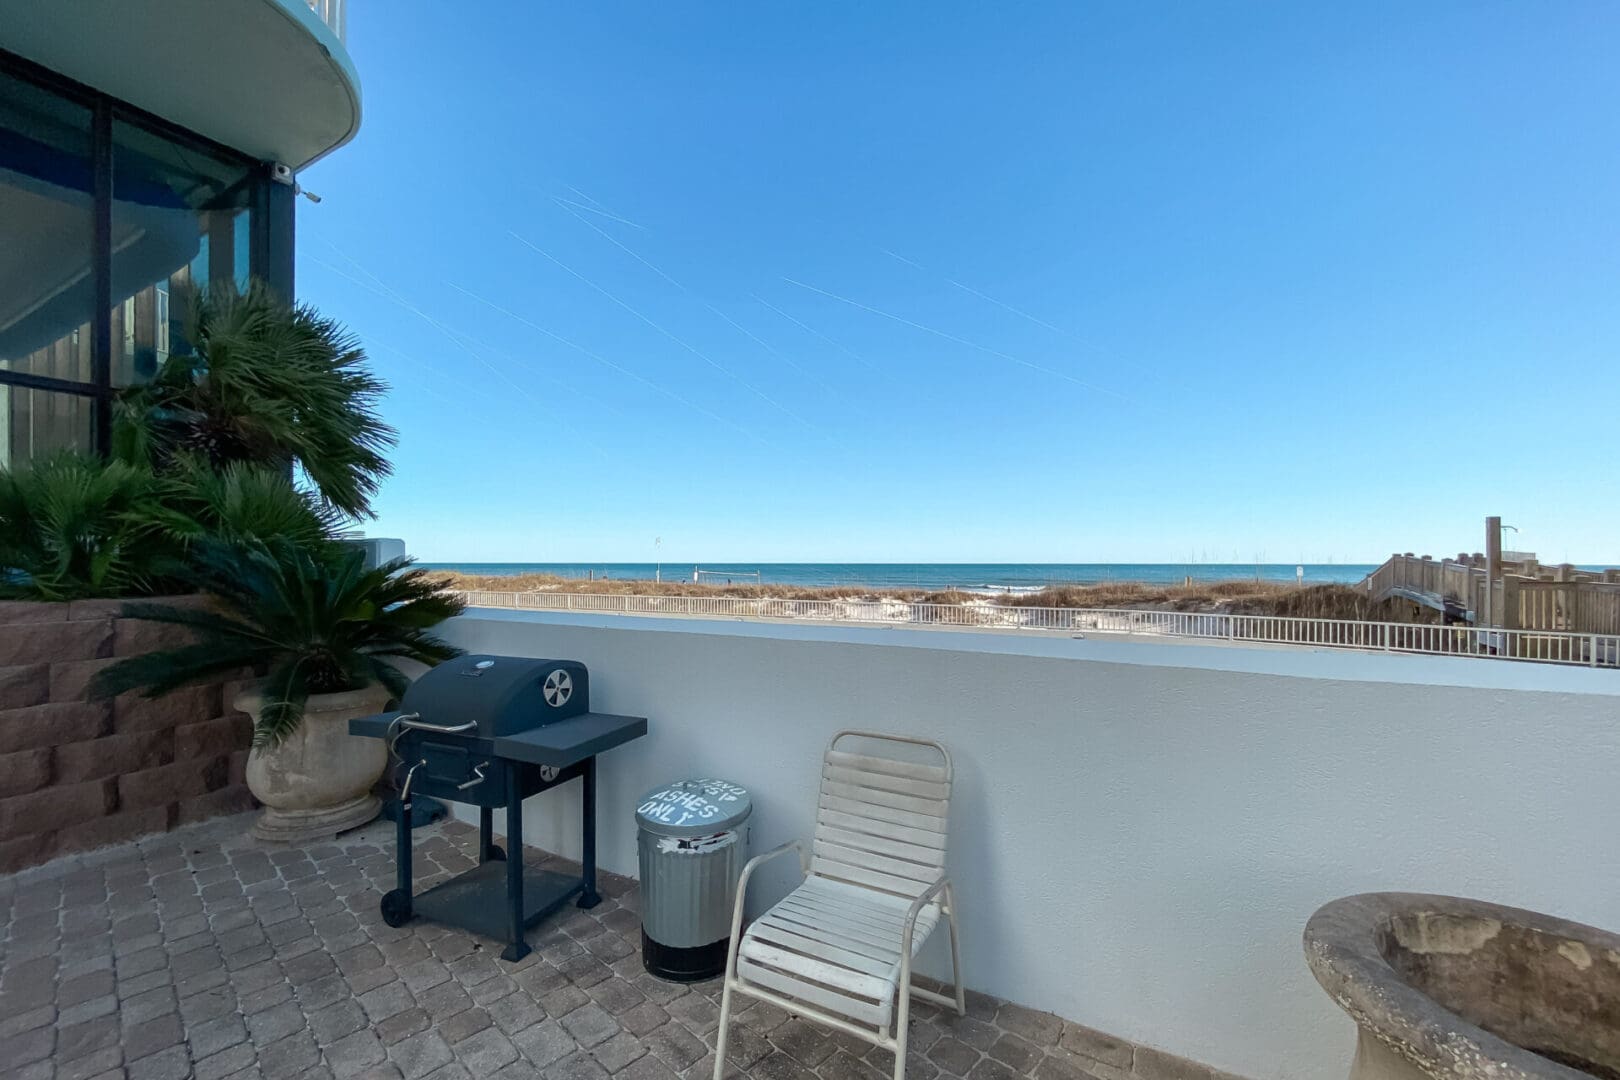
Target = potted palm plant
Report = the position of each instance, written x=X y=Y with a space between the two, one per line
x=327 y=636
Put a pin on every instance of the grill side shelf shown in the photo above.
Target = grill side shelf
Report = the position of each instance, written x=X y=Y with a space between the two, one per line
x=372 y=727
x=568 y=741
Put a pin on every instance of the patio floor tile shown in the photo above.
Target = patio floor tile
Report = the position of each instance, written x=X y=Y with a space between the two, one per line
x=205 y=953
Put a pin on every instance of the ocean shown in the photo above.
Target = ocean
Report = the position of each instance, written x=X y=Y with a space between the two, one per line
x=987 y=577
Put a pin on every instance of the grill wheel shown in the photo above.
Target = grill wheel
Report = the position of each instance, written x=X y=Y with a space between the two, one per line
x=396 y=907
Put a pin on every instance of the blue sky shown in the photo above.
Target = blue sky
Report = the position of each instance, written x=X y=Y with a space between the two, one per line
x=979 y=282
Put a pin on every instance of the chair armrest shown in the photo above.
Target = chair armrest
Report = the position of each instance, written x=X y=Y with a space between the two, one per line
x=941 y=884
x=761 y=859
x=748 y=871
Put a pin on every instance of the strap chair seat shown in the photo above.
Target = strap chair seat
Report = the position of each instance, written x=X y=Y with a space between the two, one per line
x=838 y=948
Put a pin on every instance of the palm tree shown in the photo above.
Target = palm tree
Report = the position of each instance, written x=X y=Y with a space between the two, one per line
x=315 y=621
x=73 y=526
x=240 y=503
x=265 y=383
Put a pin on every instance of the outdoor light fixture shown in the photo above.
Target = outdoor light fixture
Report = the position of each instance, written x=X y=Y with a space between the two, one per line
x=282 y=173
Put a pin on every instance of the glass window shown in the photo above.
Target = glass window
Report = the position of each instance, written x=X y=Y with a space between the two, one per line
x=181 y=218
x=37 y=423
x=47 y=284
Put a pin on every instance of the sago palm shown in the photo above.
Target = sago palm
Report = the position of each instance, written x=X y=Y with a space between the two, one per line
x=313 y=621
x=266 y=383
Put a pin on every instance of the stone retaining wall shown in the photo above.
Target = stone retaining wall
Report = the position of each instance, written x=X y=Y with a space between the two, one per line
x=77 y=774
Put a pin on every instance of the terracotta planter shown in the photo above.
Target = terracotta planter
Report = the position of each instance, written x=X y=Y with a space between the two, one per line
x=318 y=782
x=1443 y=988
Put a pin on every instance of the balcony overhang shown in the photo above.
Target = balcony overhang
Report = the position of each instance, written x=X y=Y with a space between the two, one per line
x=266 y=77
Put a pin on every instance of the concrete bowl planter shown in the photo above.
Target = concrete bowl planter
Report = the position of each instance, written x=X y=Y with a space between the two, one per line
x=1451 y=989
x=318 y=782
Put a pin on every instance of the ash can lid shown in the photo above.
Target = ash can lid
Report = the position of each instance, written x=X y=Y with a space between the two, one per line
x=689 y=808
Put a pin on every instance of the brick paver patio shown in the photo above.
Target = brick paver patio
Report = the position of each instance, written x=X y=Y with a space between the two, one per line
x=204 y=953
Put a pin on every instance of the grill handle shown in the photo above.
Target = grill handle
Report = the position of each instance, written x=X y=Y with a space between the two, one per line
x=415 y=721
x=478 y=777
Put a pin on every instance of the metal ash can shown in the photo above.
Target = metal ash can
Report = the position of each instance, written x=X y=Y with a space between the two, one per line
x=692 y=838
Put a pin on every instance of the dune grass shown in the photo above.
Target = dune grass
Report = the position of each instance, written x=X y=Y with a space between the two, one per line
x=630 y=587
x=1243 y=596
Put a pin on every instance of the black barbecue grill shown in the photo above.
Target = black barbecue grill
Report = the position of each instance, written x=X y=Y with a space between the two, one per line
x=490 y=731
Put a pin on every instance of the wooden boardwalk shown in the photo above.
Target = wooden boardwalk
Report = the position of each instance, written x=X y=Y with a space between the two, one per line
x=1526 y=596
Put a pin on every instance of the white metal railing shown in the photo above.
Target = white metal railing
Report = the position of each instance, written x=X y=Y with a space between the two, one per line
x=1594 y=650
x=334 y=14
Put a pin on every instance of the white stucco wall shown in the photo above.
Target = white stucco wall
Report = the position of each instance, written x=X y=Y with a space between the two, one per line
x=1140 y=829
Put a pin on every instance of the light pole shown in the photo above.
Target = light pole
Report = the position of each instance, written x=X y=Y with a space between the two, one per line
x=658 y=559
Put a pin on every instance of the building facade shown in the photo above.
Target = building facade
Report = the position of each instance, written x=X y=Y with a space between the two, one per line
x=146 y=147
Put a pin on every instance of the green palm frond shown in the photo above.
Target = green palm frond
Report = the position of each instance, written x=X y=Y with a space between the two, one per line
x=242 y=502
x=286 y=692
x=313 y=618
x=266 y=384
x=159 y=673
x=74 y=526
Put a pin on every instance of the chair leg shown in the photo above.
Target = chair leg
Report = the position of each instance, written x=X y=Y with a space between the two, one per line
x=725 y=1020
x=902 y=1027
x=956 y=955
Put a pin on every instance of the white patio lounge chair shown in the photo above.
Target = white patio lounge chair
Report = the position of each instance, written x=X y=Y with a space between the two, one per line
x=838 y=948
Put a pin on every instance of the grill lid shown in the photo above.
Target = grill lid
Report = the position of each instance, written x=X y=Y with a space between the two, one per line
x=502 y=695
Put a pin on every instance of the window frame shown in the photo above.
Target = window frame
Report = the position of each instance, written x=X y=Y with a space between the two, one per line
x=270 y=234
